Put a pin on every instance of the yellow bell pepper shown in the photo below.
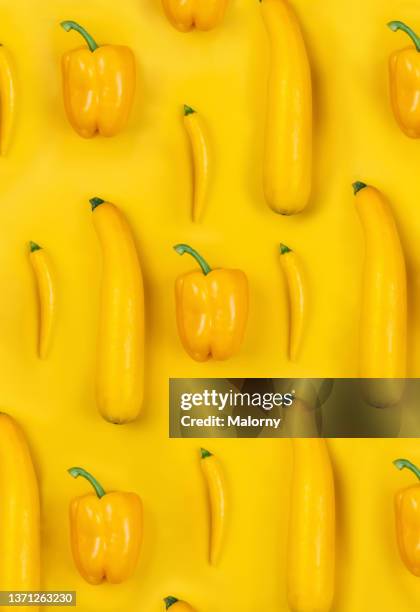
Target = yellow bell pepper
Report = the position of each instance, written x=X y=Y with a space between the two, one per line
x=176 y=605
x=106 y=532
x=46 y=297
x=212 y=309
x=407 y=515
x=185 y=15
x=99 y=85
x=404 y=68
x=20 y=565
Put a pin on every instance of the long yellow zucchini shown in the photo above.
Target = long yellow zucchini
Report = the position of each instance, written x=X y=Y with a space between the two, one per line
x=120 y=368
x=288 y=146
x=311 y=559
x=19 y=513
x=383 y=322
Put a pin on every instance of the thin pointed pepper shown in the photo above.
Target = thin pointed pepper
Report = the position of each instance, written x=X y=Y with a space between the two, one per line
x=407 y=519
x=201 y=160
x=98 y=85
x=176 y=605
x=211 y=309
x=106 y=532
x=7 y=99
x=297 y=298
x=47 y=298
x=404 y=78
x=216 y=487
x=187 y=15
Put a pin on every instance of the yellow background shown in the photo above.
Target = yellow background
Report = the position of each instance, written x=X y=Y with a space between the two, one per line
x=45 y=183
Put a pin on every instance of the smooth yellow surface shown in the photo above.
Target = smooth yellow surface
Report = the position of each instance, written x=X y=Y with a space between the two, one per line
x=288 y=140
x=47 y=299
x=312 y=529
x=19 y=513
x=45 y=184
x=7 y=99
x=185 y=15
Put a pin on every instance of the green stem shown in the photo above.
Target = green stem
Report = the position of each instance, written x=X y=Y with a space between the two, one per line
x=188 y=110
x=399 y=25
x=404 y=463
x=284 y=249
x=33 y=246
x=205 y=453
x=76 y=472
x=72 y=25
x=95 y=202
x=170 y=601
x=184 y=248
x=358 y=186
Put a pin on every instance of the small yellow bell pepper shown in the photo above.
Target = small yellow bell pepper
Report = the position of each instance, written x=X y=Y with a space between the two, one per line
x=176 y=605
x=106 y=532
x=185 y=15
x=407 y=514
x=99 y=85
x=212 y=309
x=404 y=68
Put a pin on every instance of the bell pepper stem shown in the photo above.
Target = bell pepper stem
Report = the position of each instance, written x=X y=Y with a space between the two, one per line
x=399 y=25
x=170 y=601
x=404 y=463
x=77 y=471
x=184 y=248
x=72 y=25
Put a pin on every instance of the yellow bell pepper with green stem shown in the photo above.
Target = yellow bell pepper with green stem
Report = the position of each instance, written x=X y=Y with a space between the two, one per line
x=407 y=516
x=187 y=15
x=99 y=85
x=106 y=532
x=404 y=69
x=211 y=308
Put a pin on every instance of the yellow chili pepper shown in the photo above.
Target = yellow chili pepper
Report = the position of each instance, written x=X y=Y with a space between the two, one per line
x=383 y=325
x=311 y=557
x=404 y=72
x=177 y=605
x=288 y=147
x=7 y=99
x=200 y=151
x=212 y=309
x=216 y=488
x=297 y=298
x=99 y=85
x=46 y=295
x=106 y=532
x=20 y=562
x=185 y=15
x=120 y=368
x=407 y=515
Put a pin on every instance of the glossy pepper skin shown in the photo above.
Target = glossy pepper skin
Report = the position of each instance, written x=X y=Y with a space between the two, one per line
x=187 y=15
x=106 y=533
x=98 y=85
x=404 y=71
x=212 y=309
x=407 y=515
